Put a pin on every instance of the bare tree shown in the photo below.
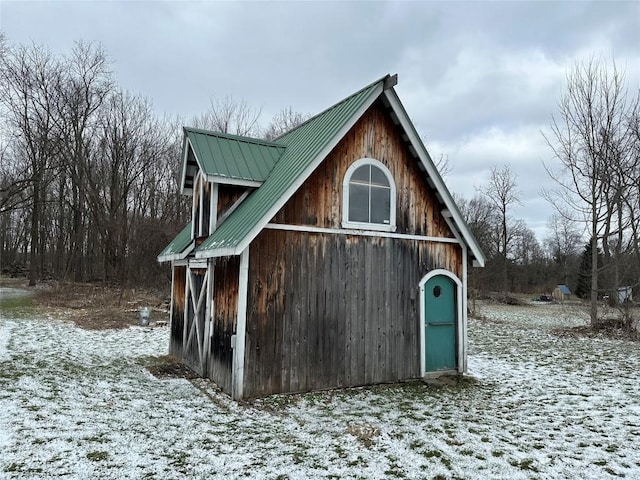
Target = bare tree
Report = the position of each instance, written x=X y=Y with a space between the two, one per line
x=632 y=200
x=283 y=121
x=586 y=139
x=227 y=115
x=563 y=242
x=87 y=84
x=503 y=194
x=29 y=81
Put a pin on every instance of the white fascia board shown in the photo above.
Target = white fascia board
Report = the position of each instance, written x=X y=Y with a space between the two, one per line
x=360 y=233
x=311 y=168
x=218 y=252
x=183 y=172
x=233 y=181
x=197 y=264
x=176 y=256
x=426 y=160
x=237 y=369
x=185 y=154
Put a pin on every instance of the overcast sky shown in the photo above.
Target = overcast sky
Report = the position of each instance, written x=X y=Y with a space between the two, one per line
x=479 y=79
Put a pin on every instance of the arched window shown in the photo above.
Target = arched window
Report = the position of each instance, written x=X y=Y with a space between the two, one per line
x=369 y=196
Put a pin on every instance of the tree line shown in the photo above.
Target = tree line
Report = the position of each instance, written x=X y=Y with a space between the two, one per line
x=89 y=179
x=595 y=140
x=89 y=172
x=88 y=184
x=593 y=241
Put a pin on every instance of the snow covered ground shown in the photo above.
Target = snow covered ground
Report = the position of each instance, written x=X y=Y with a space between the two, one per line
x=81 y=404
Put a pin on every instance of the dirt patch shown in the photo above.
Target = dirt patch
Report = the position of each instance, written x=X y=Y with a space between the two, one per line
x=170 y=367
x=601 y=331
x=99 y=307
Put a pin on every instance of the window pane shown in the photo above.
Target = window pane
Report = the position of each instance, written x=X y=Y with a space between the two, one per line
x=380 y=205
x=358 y=203
x=361 y=174
x=378 y=177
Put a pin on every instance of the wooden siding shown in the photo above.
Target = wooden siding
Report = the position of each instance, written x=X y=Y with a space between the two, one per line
x=177 y=310
x=225 y=305
x=206 y=209
x=196 y=206
x=227 y=196
x=328 y=311
x=334 y=310
x=319 y=201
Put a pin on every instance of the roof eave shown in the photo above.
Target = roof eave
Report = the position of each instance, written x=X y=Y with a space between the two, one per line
x=242 y=182
x=217 y=252
x=185 y=153
x=176 y=256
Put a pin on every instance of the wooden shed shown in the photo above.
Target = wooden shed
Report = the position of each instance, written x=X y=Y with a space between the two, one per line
x=561 y=293
x=333 y=256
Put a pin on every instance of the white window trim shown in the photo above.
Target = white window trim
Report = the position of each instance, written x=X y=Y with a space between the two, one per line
x=346 y=223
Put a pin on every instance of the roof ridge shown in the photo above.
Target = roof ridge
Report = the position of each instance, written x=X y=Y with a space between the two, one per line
x=382 y=79
x=230 y=136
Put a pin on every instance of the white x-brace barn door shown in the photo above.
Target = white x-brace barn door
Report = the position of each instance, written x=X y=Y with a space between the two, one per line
x=197 y=321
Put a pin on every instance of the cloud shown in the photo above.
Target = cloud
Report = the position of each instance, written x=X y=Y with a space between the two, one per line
x=523 y=149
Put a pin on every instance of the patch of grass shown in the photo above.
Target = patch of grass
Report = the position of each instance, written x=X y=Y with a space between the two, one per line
x=416 y=444
x=298 y=458
x=97 y=438
x=18 y=307
x=13 y=467
x=525 y=464
x=180 y=461
x=394 y=471
x=612 y=472
x=98 y=456
x=497 y=453
x=453 y=442
x=341 y=452
x=358 y=462
x=446 y=462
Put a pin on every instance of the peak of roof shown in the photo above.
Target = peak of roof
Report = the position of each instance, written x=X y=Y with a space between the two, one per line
x=293 y=156
x=387 y=81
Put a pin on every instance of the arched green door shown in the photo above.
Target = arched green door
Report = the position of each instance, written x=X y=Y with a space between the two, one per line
x=440 y=324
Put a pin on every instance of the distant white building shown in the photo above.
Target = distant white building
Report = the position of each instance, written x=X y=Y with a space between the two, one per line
x=625 y=294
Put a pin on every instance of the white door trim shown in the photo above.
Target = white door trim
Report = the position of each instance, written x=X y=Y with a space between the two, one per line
x=460 y=330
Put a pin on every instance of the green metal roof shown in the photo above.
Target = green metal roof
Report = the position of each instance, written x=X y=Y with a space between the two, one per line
x=179 y=246
x=229 y=156
x=279 y=168
x=306 y=146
